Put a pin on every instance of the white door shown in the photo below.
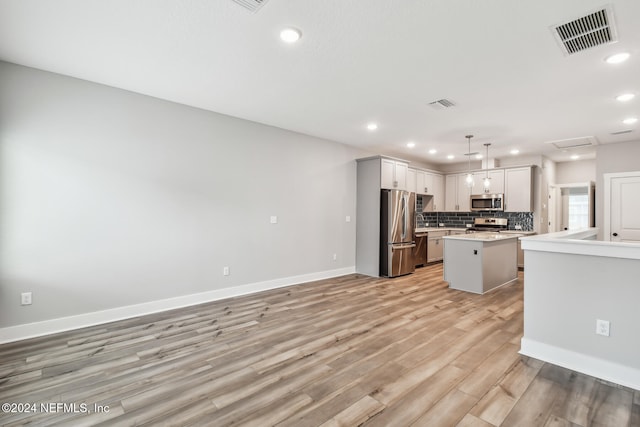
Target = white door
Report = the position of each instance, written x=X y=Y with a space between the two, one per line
x=624 y=208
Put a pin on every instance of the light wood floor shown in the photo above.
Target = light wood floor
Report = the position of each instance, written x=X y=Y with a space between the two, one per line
x=342 y=352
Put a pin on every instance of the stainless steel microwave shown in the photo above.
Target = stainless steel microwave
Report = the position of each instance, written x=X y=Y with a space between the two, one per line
x=487 y=202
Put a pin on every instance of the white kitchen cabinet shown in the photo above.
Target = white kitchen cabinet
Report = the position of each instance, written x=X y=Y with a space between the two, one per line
x=435 y=245
x=520 y=255
x=411 y=180
x=496 y=177
x=424 y=182
x=457 y=193
x=438 y=192
x=393 y=174
x=451 y=193
x=430 y=185
x=517 y=190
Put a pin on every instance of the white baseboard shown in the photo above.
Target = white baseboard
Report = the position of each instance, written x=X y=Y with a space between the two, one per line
x=579 y=362
x=62 y=324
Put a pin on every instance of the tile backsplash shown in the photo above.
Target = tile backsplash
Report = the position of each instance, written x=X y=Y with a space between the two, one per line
x=461 y=219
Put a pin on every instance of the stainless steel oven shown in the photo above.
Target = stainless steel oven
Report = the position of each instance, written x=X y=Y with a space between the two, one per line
x=487 y=202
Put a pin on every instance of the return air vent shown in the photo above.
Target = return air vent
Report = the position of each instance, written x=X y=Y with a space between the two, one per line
x=586 y=32
x=442 y=104
x=252 y=5
x=567 y=144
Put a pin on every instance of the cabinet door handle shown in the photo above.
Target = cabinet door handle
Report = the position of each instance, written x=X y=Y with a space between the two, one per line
x=615 y=234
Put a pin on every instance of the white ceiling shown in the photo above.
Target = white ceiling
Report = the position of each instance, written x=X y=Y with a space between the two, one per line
x=357 y=61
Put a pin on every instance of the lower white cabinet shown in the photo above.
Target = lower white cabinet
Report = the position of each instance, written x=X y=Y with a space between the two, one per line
x=435 y=245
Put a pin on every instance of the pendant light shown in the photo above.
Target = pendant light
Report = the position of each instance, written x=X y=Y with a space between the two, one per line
x=469 y=179
x=487 y=180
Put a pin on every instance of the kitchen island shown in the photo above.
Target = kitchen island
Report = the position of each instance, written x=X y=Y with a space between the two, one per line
x=480 y=262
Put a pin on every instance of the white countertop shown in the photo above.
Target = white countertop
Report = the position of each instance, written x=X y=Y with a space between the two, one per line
x=427 y=229
x=581 y=242
x=520 y=232
x=485 y=237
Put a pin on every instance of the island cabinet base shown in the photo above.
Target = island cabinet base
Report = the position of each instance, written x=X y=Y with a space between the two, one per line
x=478 y=266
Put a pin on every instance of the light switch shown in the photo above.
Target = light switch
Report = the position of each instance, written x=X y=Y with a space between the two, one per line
x=348 y=218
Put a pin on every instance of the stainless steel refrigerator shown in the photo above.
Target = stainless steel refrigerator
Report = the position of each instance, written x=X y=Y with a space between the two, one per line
x=396 y=232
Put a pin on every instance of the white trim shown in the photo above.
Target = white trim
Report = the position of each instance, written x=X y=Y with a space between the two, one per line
x=579 y=362
x=62 y=324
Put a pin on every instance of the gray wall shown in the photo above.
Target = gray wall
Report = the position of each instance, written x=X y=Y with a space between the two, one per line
x=612 y=158
x=110 y=198
x=575 y=172
x=566 y=293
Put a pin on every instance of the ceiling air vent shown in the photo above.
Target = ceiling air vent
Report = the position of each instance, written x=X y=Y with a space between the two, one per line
x=567 y=144
x=442 y=104
x=586 y=32
x=252 y=5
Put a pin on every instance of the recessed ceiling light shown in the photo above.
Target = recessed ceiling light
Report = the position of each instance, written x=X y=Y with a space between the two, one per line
x=450 y=156
x=617 y=58
x=575 y=157
x=290 y=35
x=411 y=144
x=625 y=97
x=478 y=156
x=372 y=126
x=630 y=120
x=433 y=151
x=515 y=151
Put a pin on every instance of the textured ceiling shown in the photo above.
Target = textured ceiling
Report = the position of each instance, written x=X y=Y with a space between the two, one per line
x=357 y=61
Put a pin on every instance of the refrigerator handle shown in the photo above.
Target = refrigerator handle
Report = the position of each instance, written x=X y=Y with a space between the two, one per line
x=405 y=216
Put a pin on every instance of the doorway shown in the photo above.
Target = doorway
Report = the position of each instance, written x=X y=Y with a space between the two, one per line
x=571 y=206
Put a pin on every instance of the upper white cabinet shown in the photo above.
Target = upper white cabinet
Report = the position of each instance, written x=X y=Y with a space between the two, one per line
x=411 y=180
x=438 y=192
x=393 y=174
x=456 y=193
x=424 y=182
x=431 y=187
x=517 y=190
x=496 y=177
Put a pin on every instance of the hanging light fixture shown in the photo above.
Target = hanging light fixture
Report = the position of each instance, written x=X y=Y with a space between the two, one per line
x=469 y=179
x=487 y=180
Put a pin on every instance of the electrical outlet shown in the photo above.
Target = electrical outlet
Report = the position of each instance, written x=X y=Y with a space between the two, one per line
x=273 y=219
x=602 y=327
x=25 y=298
x=225 y=271
x=335 y=257
x=518 y=227
x=348 y=218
